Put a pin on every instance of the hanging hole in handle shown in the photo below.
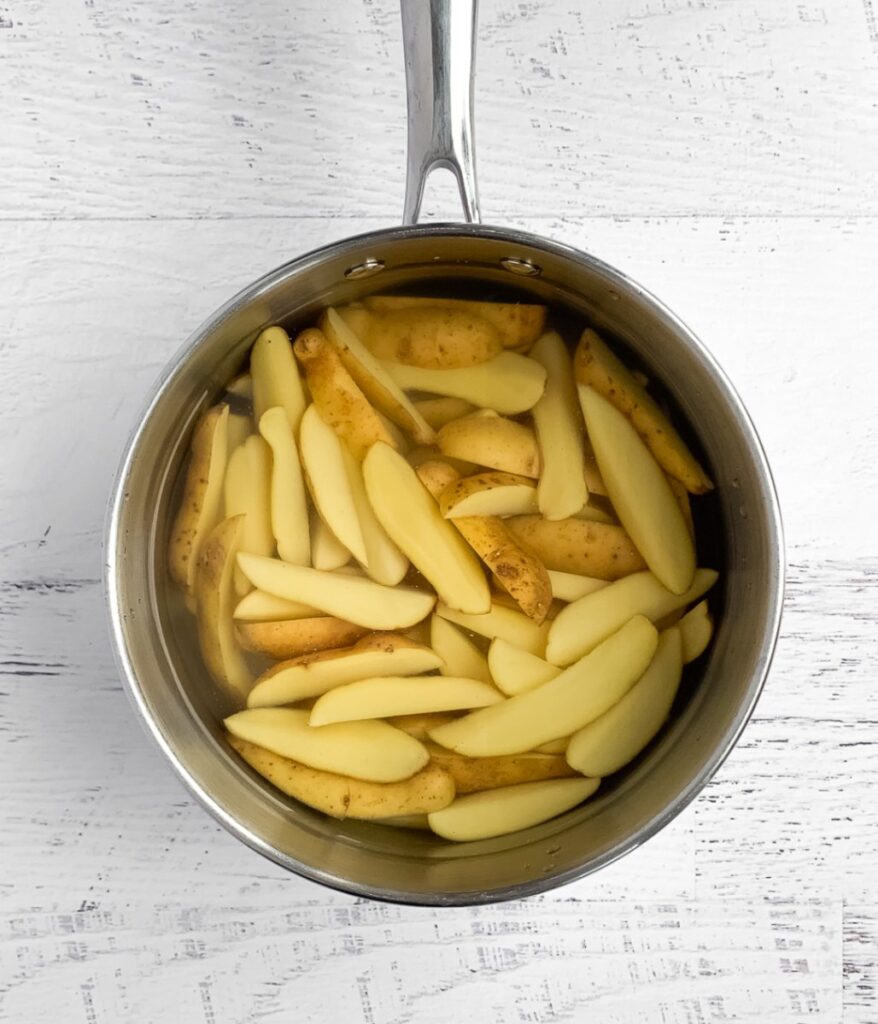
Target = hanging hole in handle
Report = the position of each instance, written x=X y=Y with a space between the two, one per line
x=441 y=189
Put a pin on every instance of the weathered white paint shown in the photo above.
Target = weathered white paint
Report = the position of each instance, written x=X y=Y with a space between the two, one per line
x=157 y=157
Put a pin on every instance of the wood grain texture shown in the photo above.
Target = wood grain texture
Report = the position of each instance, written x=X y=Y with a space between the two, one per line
x=162 y=156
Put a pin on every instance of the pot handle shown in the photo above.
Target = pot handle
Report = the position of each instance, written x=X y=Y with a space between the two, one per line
x=439 y=42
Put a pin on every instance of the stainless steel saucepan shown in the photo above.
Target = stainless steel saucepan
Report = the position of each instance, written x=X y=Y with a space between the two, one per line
x=165 y=678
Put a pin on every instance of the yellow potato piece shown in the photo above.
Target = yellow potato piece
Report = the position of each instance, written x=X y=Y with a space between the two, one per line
x=508 y=383
x=341 y=796
x=491 y=493
x=312 y=675
x=696 y=630
x=560 y=706
x=386 y=696
x=439 y=411
x=581 y=626
x=568 y=586
x=459 y=654
x=291 y=637
x=436 y=476
x=579 y=546
x=420 y=725
x=516 y=671
x=432 y=337
x=327 y=551
x=497 y=812
x=502 y=621
x=355 y=599
x=275 y=377
x=214 y=601
x=494 y=441
x=248 y=492
x=258 y=606
x=373 y=751
x=289 y=505
x=611 y=741
x=430 y=453
x=411 y=518
x=553 y=746
x=474 y=774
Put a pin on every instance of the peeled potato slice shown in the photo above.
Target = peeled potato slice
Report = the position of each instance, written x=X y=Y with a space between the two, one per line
x=248 y=493
x=460 y=655
x=508 y=623
x=497 y=812
x=289 y=638
x=696 y=630
x=327 y=551
x=439 y=411
x=289 y=506
x=258 y=606
x=568 y=586
x=494 y=441
x=553 y=746
x=275 y=376
x=579 y=546
x=373 y=751
x=474 y=774
x=489 y=494
x=420 y=725
x=516 y=671
x=611 y=741
x=556 y=708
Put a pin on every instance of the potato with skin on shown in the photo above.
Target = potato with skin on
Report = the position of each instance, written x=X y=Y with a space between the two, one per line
x=275 y=377
x=475 y=774
x=436 y=476
x=411 y=518
x=493 y=441
x=214 y=601
x=312 y=675
x=509 y=623
x=682 y=498
x=257 y=606
x=288 y=502
x=247 y=492
x=516 y=671
x=490 y=493
x=439 y=411
x=579 y=546
x=497 y=812
x=327 y=551
x=339 y=400
x=639 y=491
x=696 y=631
x=608 y=743
x=459 y=654
x=420 y=725
x=201 y=506
x=597 y=367
x=341 y=796
x=508 y=383
x=288 y=638
x=432 y=337
x=430 y=453
x=569 y=586
x=373 y=750
x=374 y=380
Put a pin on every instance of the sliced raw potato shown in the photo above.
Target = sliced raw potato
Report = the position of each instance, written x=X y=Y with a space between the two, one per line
x=553 y=746
x=373 y=750
x=439 y=411
x=473 y=774
x=419 y=726
x=312 y=675
x=357 y=600
x=339 y=400
x=593 y=479
x=460 y=655
x=373 y=378
x=240 y=390
x=579 y=546
x=289 y=638
x=327 y=551
x=275 y=376
x=202 y=501
x=430 y=453
x=494 y=441
x=247 y=492
x=560 y=706
x=258 y=606
x=611 y=741
x=682 y=498
x=341 y=796
x=597 y=367
x=412 y=519
x=640 y=493
x=431 y=336
x=516 y=671
x=509 y=383
x=558 y=423
x=214 y=601
x=357 y=317
x=323 y=455
x=696 y=630
x=436 y=476
x=491 y=493
x=289 y=505
x=508 y=623
x=519 y=323
x=386 y=696
x=568 y=586
x=581 y=626
x=592 y=511
x=496 y=812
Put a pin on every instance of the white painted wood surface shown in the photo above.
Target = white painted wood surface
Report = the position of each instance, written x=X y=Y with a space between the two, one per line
x=154 y=158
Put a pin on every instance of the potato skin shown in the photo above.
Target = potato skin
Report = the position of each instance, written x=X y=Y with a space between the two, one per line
x=493 y=441
x=433 y=337
x=474 y=774
x=293 y=637
x=579 y=546
x=436 y=476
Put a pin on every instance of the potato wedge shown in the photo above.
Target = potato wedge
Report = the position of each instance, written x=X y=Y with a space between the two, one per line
x=493 y=441
x=558 y=746
x=258 y=606
x=357 y=600
x=496 y=812
x=519 y=323
x=432 y=336
x=595 y=513
x=373 y=378
x=585 y=623
x=696 y=631
x=338 y=398
x=373 y=751
x=202 y=501
x=640 y=493
x=508 y=383
x=490 y=493
x=341 y=796
x=327 y=551
x=597 y=367
x=289 y=505
x=569 y=586
x=430 y=453
x=516 y=671
x=474 y=774
x=508 y=623
x=608 y=743
x=247 y=492
x=579 y=546
x=559 y=428
x=275 y=377
x=459 y=654
x=439 y=411
x=288 y=638
x=420 y=725
x=408 y=513
x=560 y=706
x=387 y=696
x=214 y=601
x=681 y=495
x=593 y=479
x=312 y=675
x=324 y=461
x=436 y=476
